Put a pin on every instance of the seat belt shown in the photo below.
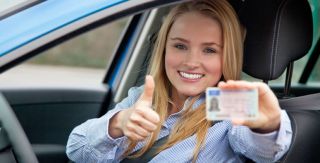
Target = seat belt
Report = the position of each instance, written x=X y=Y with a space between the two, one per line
x=148 y=155
x=307 y=102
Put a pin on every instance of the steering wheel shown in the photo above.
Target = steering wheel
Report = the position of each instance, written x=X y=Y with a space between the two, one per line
x=16 y=136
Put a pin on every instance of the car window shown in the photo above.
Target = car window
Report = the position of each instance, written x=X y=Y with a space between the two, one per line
x=315 y=75
x=80 y=60
x=315 y=5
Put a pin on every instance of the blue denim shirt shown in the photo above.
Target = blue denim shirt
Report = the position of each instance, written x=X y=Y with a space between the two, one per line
x=91 y=142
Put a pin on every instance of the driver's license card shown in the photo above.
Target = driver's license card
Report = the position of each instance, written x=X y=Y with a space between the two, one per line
x=229 y=104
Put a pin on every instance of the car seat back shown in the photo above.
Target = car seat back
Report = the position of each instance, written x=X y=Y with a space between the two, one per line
x=278 y=33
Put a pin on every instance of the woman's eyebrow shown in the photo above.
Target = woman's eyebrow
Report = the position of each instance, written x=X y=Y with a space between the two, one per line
x=179 y=39
x=211 y=43
x=187 y=41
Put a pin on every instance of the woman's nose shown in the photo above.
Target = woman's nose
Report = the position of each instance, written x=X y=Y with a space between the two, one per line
x=192 y=59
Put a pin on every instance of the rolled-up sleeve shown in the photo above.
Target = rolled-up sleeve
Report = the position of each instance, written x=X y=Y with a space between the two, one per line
x=268 y=147
x=91 y=142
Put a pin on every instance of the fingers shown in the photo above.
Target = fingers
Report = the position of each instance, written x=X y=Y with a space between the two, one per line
x=147 y=113
x=143 y=106
x=147 y=122
x=242 y=122
x=142 y=120
x=139 y=125
x=238 y=122
x=147 y=93
x=133 y=136
x=136 y=132
x=231 y=84
x=269 y=111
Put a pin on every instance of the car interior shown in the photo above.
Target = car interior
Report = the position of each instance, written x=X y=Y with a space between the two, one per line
x=277 y=35
x=273 y=43
x=269 y=51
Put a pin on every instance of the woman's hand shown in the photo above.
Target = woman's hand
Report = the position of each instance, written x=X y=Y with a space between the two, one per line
x=269 y=110
x=139 y=121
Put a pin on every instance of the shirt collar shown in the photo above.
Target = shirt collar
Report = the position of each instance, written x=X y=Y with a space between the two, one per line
x=196 y=104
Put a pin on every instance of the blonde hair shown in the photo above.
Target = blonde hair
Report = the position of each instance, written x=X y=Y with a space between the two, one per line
x=192 y=121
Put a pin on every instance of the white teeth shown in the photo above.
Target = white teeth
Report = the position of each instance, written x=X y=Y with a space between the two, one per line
x=190 y=76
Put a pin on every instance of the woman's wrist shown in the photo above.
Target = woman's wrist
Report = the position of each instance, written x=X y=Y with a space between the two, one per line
x=115 y=130
x=273 y=125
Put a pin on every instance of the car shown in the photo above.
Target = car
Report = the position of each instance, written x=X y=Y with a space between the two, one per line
x=37 y=119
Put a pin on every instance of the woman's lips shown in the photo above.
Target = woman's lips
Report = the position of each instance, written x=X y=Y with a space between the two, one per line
x=190 y=76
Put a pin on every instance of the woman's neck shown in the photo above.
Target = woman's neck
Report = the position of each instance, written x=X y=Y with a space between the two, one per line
x=178 y=101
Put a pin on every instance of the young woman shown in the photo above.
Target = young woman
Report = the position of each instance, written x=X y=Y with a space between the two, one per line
x=199 y=45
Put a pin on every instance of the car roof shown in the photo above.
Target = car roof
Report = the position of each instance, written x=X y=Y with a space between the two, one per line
x=42 y=18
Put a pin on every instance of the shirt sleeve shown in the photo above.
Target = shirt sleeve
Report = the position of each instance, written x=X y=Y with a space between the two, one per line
x=258 y=147
x=91 y=142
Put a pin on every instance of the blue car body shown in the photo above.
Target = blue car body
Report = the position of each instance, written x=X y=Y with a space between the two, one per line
x=45 y=17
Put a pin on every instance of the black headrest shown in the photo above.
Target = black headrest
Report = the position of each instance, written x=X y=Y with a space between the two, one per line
x=278 y=32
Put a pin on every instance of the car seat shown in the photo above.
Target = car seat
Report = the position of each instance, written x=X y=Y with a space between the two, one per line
x=278 y=33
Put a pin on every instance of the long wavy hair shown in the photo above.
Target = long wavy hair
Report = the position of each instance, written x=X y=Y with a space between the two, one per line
x=192 y=121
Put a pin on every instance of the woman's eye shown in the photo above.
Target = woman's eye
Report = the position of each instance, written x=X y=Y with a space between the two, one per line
x=180 y=46
x=209 y=50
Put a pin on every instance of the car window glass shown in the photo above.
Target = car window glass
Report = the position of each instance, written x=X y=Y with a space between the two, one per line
x=315 y=75
x=80 y=60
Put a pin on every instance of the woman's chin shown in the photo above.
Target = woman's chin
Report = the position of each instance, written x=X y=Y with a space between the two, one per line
x=190 y=93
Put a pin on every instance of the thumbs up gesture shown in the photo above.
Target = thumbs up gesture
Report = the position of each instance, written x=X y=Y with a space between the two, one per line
x=139 y=121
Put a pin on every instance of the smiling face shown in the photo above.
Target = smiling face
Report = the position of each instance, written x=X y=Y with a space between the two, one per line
x=193 y=56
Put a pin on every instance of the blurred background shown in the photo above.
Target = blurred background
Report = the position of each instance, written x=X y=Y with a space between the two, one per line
x=81 y=60
x=93 y=47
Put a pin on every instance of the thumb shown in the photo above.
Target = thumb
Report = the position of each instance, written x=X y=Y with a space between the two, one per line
x=148 y=89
